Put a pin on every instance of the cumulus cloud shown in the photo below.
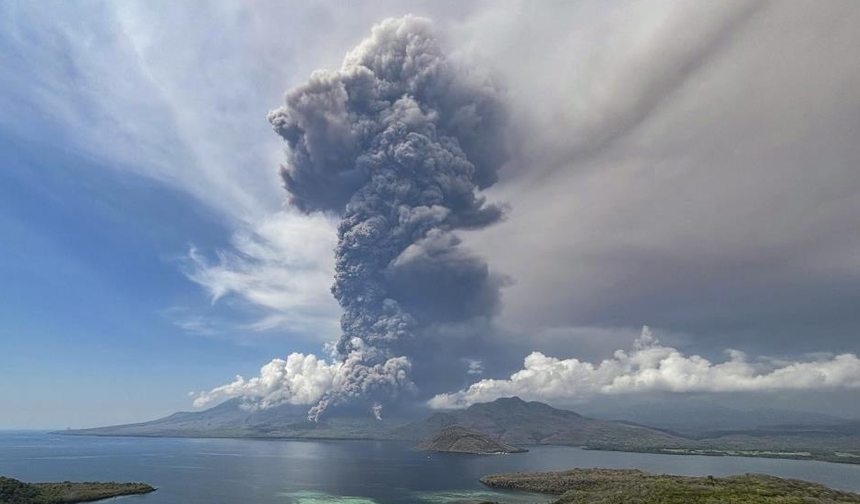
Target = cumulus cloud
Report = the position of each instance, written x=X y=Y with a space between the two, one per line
x=301 y=379
x=652 y=367
x=305 y=380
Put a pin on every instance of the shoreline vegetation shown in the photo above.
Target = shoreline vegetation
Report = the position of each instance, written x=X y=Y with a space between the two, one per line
x=455 y=439
x=835 y=457
x=623 y=486
x=13 y=491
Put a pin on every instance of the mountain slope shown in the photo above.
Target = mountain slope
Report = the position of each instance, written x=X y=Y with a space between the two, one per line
x=229 y=419
x=514 y=421
x=510 y=421
x=455 y=439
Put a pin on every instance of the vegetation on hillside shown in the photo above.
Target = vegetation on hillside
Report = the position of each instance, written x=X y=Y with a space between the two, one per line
x=628 y=486
x=455 y=439
x=13 y=491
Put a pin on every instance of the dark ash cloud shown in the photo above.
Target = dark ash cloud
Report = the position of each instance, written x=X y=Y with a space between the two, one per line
x=398 y=141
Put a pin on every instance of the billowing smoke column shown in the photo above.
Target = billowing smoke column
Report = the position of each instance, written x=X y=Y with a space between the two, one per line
x=397 y=141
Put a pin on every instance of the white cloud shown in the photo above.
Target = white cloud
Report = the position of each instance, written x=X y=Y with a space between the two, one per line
x=305 y=379
x=192 y=324
x=283 y=266
x=651 y=367
x=144 y=87
x=476 y=367
x=301 y=379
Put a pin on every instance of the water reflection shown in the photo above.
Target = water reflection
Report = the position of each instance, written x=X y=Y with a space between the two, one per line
x=230 y=471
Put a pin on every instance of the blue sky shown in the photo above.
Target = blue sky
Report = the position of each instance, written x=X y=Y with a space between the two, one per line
x=92 y=284
x=687 y=167
x=100 y=322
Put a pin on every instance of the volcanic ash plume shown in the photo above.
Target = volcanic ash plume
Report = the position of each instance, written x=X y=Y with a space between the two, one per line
x=397 y=141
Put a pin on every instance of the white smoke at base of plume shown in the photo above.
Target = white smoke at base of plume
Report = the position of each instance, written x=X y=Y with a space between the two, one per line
x=652 y=367
x=301 y=379
x=305 y=379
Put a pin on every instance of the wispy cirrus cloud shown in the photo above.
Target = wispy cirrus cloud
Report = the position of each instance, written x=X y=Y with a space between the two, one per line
x=133 y=105
x=283 y=267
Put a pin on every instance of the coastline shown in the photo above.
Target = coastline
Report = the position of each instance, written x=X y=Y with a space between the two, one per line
x=810 y=456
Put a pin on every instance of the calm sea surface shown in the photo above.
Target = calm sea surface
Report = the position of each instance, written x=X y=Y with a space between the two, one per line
x=233 y=471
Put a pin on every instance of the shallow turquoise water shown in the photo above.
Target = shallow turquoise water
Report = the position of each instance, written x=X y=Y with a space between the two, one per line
x=234 y=471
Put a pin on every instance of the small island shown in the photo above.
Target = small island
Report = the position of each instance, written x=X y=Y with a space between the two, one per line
x=456 y=439
x=622 y=486
x=13 y=491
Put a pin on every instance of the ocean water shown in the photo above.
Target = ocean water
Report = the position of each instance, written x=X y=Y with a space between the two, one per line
x=244 y=471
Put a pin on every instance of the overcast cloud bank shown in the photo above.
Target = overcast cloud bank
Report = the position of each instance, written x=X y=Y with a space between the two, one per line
x=688 y=164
